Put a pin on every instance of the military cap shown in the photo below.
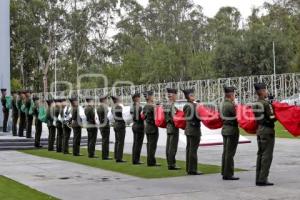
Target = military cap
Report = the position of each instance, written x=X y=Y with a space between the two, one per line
x=229 y=89
x=35 y=98
x=114 y=98
x=187 y=92
x=172 y=91
x=72 y=99
x=135 y=95
x=3 y=89
x=260 y=86
x=49 y=101
x=148 y=93
x=88 y=99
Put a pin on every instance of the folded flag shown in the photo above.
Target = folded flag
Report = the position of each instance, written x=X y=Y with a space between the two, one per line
x=246 y=118
x=160 y=120
x=288 y=116
x=179 y=119
x=210 y=117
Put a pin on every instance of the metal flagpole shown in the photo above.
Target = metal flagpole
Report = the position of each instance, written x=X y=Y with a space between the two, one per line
x=274 y=69
x=55 y=75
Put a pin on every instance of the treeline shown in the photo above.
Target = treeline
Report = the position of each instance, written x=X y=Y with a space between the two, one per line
x=169 y=40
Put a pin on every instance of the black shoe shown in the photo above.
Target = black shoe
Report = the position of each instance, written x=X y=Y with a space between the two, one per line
x=38 y=146
x=121 y=161
x=50 y=149
x=174 y=168
x=264 y=183
x=137 y=163
x=108 y=158
x=232 y=178
x=195 y=173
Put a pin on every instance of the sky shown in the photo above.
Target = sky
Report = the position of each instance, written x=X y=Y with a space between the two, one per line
x=211 y=7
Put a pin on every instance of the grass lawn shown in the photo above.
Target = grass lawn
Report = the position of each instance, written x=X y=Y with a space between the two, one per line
x=12 y=190
x=281 y=132
x=126 y=168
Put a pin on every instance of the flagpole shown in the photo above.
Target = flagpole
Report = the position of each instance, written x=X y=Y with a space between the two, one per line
x=274 y=69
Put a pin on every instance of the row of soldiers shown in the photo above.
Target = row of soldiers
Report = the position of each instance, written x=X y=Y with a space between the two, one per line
x=145 y=124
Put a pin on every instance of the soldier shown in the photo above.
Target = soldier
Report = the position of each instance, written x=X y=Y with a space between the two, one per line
x=192 y=132
x=102 y=112
x=4 y=109
x=38 y=123
x=265 y=135
x=76 y=126
x=28 y=113
x=58 y=124
x=67 y=117
x=91 y=126
x=172 y=131
x=150 y=129
x=50 y=124
x=137 y=129
x=22 y=115
x=230 y=133
x=119 y=128
x=15 y=113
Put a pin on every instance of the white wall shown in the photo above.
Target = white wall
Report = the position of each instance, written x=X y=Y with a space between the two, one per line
x=4 y=49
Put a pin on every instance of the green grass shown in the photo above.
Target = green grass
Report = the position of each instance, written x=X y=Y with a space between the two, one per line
x=280 y=131
x=126 y=168
x=12 y=190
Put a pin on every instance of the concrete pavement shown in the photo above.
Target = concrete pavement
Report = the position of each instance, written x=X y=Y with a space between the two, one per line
x=72 y=181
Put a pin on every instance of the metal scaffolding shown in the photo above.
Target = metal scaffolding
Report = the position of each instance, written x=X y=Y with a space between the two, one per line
x=205 y=90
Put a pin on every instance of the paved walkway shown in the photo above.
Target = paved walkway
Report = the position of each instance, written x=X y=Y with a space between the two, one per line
x=72 y=181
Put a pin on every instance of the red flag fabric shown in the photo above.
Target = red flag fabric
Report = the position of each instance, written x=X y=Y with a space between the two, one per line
x=160 y=120
x=210 y=117
x=288 y=116
x=142 y=116
x=179 y=119
x=246 y=118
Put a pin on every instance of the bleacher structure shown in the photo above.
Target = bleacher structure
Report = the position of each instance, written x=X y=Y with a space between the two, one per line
x=281 y=86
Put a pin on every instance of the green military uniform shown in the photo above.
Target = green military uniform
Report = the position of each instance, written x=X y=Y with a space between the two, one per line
x=51 y=126
x=230 y=133
x=5 y=111
x=38 y=125
x=152 y=134
x=91 y=129
x=102 y=112
x=15 y=116
x=76 y=126
x=172 y=135
x=29 y=117
x=59 y=127
x=66 y=129
x=138 y=133
x=193 y=135
x=120 y=131
x=265 y=139
x=22 y=119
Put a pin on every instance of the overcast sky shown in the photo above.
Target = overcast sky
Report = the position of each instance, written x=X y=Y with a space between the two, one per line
x=211 y=7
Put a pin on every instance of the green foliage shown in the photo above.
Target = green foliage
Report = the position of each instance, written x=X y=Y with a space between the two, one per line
x=168 y=40
x=15 y=84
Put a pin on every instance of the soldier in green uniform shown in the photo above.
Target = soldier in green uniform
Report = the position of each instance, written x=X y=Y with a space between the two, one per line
x=4 y=109
x=22 y=115
x=137 y=129
x=172 y=131
x=15 y=113
x=50 y=124
x=192 y=132
x=265 y=118
x=119 y=128
x=151 y=129
x=58 y=124
x=102 y=112
x=38 y=123
x=66 y=115
x=230 y=133
x=92 y=129
x=76 y=126
x=29 y=116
